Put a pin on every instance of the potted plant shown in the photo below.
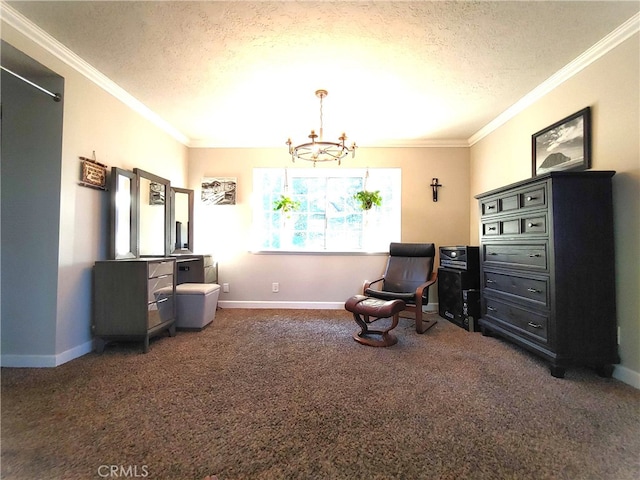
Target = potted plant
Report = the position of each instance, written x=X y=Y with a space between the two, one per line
x=286 y=205
x=368 y=199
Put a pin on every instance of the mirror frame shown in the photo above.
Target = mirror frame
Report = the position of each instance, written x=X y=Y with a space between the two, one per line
x=167 y=209
x=116 y=173
x=189 y=249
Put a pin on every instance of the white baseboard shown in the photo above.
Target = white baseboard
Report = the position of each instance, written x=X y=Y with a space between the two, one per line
x=287 y=304
x=45 y=361
x=626 y=375
x=430 y=308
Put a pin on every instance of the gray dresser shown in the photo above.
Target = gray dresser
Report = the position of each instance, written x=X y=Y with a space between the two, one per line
x=196 y=269
x=547 y=268
x=134 y=300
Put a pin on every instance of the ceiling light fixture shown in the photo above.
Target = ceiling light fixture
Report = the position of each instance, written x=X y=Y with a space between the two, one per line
x=321 y=151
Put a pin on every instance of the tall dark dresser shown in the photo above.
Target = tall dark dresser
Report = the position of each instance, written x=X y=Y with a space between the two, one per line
x=547 y=268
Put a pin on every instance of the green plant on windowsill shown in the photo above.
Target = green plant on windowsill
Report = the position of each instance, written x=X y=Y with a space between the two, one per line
x=286 y=205
x=368 y=199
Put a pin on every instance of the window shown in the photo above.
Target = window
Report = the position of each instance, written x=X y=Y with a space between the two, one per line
x=329 y=218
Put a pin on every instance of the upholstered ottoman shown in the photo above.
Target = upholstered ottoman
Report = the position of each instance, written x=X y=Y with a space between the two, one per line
x=196 y=305
x=367 y=310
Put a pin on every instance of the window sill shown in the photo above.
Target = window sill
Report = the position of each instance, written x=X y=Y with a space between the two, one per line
x=318 y=252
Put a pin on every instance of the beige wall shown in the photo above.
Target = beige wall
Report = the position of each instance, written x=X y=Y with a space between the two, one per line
x=317 y=280
x=610 y=87
x=93 y=121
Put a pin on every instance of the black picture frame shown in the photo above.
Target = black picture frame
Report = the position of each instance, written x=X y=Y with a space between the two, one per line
x=563 y=146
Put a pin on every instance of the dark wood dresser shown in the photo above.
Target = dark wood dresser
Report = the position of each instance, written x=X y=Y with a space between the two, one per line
x=547 y=268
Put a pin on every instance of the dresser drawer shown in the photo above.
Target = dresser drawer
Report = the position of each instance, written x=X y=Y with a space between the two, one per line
x=515 y=255
x=536 y=197
x=207 y=260
x=528 y=289
x=508 y=203
x=529 y=323
x=157 y=269
x=490 y=229
x=534 y=225
x=489 y=207
x=160 y=311
x=159 y=287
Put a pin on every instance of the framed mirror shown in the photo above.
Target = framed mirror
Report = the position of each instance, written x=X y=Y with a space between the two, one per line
x=154 y=214
x=124 y=197
x=181 y=221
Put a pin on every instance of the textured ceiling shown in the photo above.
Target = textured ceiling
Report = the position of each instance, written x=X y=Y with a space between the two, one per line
x=244 y=74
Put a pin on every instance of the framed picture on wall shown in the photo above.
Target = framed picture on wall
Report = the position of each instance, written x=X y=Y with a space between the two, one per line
x=93 y=174
x=156 y=193
x=565 y=145
x=219 y=190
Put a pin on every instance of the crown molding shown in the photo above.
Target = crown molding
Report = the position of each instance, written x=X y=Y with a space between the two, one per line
x=604 y=46
x=41 y=38
x=420 y=143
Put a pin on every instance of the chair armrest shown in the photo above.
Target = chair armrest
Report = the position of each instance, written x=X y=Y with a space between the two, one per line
x=367 y=284
x=420 y=290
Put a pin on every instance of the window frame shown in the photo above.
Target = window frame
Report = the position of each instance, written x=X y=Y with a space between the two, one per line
x=378 y=227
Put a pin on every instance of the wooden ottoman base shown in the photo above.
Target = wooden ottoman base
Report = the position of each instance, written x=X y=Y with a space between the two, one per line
x=367 y=310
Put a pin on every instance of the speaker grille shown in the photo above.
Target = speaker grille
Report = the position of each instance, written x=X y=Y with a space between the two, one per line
x=451 y=283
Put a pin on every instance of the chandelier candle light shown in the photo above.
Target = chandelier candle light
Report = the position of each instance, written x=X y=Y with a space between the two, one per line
x=321 y=151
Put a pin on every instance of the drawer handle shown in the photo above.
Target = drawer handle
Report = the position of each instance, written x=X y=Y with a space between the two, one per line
x=162 y=276
x=534 y=255
x=533 y=290
x=490 y=281
x=491 y=309
x=490 y=207
x=530 y=198
x=533 y=224
x=491 y=228
x=534 y=325
x=165 y=299
x=492 y=253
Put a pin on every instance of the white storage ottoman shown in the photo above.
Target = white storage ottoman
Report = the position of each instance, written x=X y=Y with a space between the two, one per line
x=196 y=304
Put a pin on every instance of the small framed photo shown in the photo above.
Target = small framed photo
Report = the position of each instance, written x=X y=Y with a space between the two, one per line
x=565 y=145
x=156 y=193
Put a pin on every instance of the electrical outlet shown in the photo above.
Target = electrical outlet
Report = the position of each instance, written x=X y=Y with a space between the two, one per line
x=225 y=288
x=275 y=287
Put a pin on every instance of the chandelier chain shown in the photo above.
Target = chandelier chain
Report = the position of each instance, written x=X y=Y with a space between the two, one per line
x=321 y=130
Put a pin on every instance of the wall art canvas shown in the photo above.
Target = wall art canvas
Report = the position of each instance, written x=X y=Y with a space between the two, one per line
x=219 y=190
x=565 y=145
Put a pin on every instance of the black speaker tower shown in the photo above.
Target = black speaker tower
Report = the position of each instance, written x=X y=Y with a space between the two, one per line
x=459 y=287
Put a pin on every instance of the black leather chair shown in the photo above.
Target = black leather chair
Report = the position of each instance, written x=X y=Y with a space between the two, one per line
x=407 y=277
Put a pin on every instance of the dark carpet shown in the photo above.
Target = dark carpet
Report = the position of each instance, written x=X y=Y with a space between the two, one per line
x=288 y=394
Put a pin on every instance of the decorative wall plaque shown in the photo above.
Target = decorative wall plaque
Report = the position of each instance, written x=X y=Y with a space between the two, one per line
x=93 y=174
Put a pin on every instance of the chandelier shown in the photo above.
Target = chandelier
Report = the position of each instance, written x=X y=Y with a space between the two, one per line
x=319 y=150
